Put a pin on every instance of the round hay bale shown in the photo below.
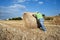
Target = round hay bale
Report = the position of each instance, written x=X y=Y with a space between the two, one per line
x=56 y=20
x=29 y=20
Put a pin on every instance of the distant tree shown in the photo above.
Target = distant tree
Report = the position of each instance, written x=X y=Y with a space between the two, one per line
x=43 y=15
x=48 y=18
x=58 y=14
x=17 y=18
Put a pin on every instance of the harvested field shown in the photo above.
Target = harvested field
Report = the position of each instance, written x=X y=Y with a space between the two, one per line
x=16 y=30
x=27 y=29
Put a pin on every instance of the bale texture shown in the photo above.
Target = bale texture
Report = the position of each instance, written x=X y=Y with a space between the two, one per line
x=57 y=20
x=29 y=20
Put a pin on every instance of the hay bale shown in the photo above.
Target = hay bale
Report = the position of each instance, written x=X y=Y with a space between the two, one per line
x=29 y=20
x=57 y=20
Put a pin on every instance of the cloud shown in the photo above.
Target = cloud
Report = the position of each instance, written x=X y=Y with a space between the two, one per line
x=20 y=1
x=41 y=2
x=16 y=8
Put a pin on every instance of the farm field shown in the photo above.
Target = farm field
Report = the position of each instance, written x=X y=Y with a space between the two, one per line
x=16 y=30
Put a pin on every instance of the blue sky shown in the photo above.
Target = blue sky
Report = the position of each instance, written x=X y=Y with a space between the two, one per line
x=18 y=7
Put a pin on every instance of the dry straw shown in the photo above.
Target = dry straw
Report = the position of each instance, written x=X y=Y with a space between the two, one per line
x=29 y=20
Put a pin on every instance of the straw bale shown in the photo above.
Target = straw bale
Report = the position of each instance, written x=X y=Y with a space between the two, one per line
x=29 y=20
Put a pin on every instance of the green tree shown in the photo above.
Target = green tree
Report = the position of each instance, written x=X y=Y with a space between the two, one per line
x=58 y=14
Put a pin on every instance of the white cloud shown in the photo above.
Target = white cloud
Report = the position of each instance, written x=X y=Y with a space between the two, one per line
x=41 y=2
x=20 y=1
x=16 y=8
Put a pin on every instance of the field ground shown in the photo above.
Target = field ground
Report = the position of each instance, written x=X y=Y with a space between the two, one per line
x=52 y=33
